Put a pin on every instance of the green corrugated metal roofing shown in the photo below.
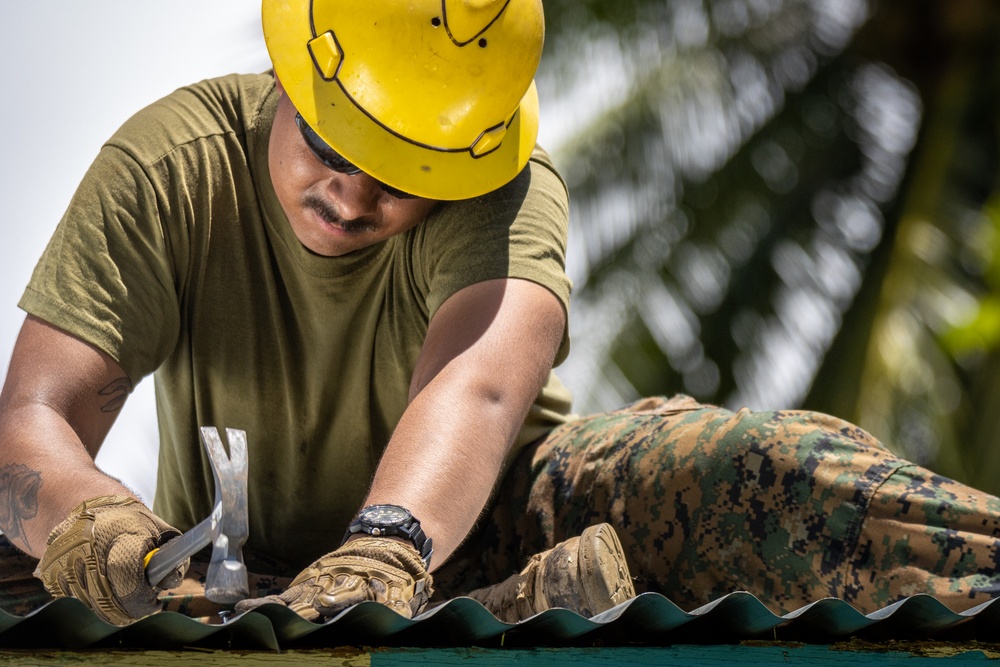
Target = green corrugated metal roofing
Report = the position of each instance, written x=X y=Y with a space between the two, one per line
x=649 y=619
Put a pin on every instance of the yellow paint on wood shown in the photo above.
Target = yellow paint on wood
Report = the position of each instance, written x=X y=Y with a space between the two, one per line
x=340 y=657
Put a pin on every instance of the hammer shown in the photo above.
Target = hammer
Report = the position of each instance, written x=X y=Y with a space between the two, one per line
x=226 y=528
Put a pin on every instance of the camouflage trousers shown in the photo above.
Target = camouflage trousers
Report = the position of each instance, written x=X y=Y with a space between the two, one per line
x=791 y=506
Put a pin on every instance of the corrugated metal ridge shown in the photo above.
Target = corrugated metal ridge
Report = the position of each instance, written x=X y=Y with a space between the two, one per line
x=649 y=619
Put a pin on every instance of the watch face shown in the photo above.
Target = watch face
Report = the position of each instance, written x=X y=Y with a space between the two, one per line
x=384 y=516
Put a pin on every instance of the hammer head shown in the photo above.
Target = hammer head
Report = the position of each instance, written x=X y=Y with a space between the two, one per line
x=226 y=582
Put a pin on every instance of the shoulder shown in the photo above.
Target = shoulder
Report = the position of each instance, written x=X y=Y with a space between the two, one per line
x=541 y=164
x=517 y=231
x=234 y=107
x=537 y=196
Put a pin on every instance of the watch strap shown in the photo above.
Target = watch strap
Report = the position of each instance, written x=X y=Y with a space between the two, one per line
x=411 y=530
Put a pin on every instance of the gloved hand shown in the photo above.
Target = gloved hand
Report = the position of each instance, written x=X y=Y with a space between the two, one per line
x=367 y=568
x=97 y=554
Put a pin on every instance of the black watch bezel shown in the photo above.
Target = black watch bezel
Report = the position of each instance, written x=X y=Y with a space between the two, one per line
x=392 y=521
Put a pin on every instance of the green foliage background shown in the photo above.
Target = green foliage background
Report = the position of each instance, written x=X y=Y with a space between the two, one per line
x=787 y=203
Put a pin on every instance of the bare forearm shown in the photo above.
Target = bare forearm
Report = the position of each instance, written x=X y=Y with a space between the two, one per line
x=45 y=471
x=487 y=354
x=59 y=400
x=443 y=464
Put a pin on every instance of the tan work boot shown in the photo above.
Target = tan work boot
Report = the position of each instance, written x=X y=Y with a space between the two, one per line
x=586 y=574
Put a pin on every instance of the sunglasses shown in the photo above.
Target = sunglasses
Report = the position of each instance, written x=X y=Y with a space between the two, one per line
x=331 y=159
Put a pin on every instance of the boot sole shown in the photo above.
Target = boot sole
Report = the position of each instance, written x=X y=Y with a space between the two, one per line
x=605 y=579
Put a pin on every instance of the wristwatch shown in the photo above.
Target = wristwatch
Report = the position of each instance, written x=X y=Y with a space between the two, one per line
x=392 y=520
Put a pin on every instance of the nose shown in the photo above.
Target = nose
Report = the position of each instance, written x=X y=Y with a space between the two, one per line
x=357 y=195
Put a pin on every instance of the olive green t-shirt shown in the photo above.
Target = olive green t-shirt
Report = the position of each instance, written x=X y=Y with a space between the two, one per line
x=175 y=258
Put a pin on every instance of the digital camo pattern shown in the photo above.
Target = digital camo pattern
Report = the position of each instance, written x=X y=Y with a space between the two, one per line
x=189 y=598
x=20 y=592
x=791 y=506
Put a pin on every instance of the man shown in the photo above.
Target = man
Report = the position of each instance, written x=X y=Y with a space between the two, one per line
x=359 y=261
x=275 y=286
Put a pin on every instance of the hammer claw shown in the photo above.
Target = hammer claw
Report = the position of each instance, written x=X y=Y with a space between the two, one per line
x=226 y=528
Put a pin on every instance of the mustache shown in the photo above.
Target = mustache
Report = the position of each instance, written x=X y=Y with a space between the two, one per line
x=329 y=213
x=323 y=208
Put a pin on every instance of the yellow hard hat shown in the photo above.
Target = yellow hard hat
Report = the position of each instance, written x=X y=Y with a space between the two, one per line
x=433 y=97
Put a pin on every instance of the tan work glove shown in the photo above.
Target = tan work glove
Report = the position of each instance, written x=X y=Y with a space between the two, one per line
x=368 y=568
x=97 y=555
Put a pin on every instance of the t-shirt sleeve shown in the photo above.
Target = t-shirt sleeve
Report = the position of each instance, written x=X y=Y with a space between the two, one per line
x=518 y=231
x=105 y=276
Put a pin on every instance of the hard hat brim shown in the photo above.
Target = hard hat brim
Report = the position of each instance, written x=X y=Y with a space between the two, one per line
x=414 y=168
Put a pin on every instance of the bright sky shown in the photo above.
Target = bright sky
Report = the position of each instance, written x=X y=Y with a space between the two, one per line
x=73 y=72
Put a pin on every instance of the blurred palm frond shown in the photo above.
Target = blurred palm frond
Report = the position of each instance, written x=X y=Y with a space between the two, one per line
x=765 y=212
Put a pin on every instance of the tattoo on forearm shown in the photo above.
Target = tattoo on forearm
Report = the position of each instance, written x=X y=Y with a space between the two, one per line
x=118 y=391
x=18 y=499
